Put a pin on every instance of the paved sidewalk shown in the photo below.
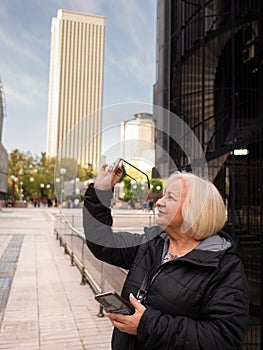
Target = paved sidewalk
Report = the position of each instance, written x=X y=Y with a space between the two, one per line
x=46 y=308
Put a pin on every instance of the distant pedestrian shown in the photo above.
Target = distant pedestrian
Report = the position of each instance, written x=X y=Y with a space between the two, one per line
x=131 y=204
x=35 y=201
x=150 y=205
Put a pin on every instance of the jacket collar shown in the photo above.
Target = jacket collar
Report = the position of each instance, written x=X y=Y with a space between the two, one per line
x=208 y=253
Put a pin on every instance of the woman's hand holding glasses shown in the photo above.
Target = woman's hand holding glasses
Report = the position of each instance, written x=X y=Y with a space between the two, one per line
x=107 y=178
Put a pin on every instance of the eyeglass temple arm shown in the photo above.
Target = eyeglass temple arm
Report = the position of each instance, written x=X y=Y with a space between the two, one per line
x=131 y=177
x=148 y=181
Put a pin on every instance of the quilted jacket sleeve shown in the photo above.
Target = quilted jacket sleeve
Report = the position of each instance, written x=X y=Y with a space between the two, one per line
x=223 y=322
x=116 y=248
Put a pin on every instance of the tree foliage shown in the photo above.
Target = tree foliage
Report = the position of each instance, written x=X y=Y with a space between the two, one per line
x=36 y=175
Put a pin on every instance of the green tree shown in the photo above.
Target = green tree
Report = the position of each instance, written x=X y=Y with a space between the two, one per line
x=89 y=172
x=127 y=189
x=31 y=172
x=156 y=185
x=19 y=163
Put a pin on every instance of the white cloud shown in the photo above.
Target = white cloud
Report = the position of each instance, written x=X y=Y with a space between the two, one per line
x=19 y=46
x=24 y=91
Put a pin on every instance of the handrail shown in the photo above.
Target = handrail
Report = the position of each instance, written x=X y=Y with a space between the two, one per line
x=97 y=274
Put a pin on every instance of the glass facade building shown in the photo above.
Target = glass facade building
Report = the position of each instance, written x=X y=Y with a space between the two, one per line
x=210 y=74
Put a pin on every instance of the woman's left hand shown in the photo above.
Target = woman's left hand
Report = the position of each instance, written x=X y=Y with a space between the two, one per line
x=107 y=178
x=128 y=323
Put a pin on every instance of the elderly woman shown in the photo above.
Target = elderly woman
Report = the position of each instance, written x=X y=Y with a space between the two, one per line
x=185 y=281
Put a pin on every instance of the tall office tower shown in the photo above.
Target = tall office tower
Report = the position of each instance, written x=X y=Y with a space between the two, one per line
x=137 y=137
x=76 y=87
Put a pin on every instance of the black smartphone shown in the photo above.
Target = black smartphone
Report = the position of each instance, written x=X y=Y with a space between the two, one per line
x=114 y=303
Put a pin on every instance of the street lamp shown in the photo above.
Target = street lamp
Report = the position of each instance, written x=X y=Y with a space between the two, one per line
x=21 y=191
x=14 y=180
x=76 y=185
x=35 y=200
x=74 y=182
x=42 y=187
x=62 y=173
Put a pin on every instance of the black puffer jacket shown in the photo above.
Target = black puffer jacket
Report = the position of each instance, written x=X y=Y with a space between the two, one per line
x=198 y=301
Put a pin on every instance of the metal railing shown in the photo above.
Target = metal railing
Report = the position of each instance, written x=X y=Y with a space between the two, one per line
x=99 y=275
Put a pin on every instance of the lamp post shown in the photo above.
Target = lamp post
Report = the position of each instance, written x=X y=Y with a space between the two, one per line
x=49 y=202
x=74 y=182
x=56 y=191
x=76 y=185
x=14 y=180
x=41 y=189
x=31 y=179
x=21 y=191
x=62 y=173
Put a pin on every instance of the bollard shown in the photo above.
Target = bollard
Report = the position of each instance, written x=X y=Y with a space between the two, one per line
x=83 y=278
x=100 y=313
x=72 y=259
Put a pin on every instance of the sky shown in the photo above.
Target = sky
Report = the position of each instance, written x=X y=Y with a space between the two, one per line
x=129 y=65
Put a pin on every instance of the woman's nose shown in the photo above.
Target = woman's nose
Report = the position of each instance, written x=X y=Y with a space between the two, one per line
x=160 y=202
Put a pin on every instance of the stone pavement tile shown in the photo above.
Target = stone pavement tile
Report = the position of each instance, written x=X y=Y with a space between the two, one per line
x=20 y=324
x=4 y=240
x=47 y=306
x=20 y=346
x=21 y=331
x=70 y=345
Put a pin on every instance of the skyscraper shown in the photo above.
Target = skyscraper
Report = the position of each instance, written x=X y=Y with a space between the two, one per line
x=137 y=137
x=76 y=86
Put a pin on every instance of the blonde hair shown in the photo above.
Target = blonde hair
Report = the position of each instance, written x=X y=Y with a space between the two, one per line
x=203 y=210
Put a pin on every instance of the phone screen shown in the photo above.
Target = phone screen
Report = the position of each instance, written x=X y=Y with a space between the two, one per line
x=112 y=302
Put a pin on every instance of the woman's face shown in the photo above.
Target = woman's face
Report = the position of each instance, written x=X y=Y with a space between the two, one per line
x=170 y=206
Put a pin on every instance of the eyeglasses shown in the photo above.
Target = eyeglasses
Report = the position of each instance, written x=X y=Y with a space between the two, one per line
x=118 y=162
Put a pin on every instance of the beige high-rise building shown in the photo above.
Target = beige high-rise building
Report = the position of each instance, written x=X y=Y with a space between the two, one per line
x=76 y=86
x=138 y=144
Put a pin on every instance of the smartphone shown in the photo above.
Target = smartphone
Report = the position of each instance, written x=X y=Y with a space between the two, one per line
x=114 y=303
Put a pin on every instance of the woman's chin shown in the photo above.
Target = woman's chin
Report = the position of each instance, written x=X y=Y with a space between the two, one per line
x=160 y=223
